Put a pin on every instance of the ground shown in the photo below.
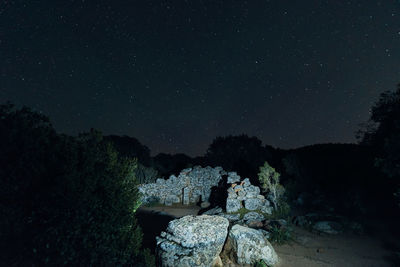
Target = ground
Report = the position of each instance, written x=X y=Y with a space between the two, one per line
x=307 y=250
x=310 y=249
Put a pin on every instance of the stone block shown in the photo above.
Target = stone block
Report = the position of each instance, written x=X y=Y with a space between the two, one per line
x=233 y=205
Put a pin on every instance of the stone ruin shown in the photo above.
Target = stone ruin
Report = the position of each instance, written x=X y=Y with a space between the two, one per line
x=191 y=186
x=207 y=239
x=195 y=184
x=244 y=194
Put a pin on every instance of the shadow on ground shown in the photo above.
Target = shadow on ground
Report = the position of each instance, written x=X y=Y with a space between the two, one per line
x=152 y=223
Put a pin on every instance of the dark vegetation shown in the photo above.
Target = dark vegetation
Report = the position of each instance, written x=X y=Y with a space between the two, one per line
x=72 y=200
x=64 y=200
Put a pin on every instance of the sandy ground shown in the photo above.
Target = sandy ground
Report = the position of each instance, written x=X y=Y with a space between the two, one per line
x=308 y=249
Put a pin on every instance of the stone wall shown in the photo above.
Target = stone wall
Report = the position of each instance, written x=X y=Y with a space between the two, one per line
x=191 y=185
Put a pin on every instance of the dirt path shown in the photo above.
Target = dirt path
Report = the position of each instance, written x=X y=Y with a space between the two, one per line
x=311 y=250
x=176 y=211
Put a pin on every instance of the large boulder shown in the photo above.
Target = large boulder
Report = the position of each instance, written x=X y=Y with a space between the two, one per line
x=250 y=245
x=192 y=241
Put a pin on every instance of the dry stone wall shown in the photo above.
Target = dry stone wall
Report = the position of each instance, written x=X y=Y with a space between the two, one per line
x=190 y=186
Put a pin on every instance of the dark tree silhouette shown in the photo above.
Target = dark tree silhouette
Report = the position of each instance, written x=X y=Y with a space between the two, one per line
x=382 y=133
x=240 y=153
x=130 y=147
x=167 y=164
x=63 y=200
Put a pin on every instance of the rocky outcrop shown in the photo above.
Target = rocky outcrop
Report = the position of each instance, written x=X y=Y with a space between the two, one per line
x=190 y=186
x=192 y=241
x=249 y=246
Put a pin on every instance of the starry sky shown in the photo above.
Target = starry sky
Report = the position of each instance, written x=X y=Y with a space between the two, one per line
x=176 y=74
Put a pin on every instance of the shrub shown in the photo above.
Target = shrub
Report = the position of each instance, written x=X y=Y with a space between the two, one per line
x=282 y=211
x=269 y=180
x=261 y=263
x=280 y=234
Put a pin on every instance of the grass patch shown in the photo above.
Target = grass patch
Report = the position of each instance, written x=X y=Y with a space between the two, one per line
x=281 y=235
x=260 y=263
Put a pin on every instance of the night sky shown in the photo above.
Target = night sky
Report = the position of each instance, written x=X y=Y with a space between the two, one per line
x=176 y=74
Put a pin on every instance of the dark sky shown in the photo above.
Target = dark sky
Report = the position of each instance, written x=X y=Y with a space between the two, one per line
x=176 y=74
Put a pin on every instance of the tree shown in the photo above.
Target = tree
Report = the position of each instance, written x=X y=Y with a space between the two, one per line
x=241 y=153
x=64 y=200
x=130 y=147
x=269 y=180
x=383 y=134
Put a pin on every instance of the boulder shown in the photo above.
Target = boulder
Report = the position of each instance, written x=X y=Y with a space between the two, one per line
x=241 y=193
x=252 y=191
x=246 y=182
x=255 y=224
x=233 y=205
x=213 y=211
x=253 y=203
x=327 y=227
x=253 y=216
x=233 y=177
x=192 y=241
x=250 y=246
x=232 y=195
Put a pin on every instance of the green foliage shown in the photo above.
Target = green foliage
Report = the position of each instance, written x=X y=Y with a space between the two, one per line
x=65 y=200
x=242 y=211
x=281 y=235
x=282 y=211
x=148 y=258
x=269 y=180
x=260 y=263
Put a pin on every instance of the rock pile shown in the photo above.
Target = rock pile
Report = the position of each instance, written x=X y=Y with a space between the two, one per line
x=244 y=194
x=191 y=185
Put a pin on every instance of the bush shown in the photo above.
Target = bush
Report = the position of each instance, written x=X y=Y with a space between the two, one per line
x=64 y=200
x=269 y=180
x=282 y=211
